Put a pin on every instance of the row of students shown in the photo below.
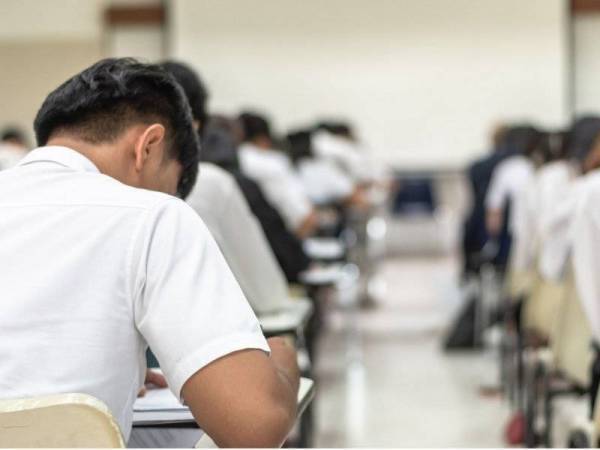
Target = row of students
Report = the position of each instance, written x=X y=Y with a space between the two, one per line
x=113 y=265
x=543 y=193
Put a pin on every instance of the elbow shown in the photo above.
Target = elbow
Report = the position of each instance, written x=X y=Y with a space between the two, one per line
x=267 y=428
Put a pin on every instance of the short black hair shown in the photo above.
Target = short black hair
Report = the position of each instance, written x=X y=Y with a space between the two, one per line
x=195 y=90
x=254 y=125
x=335 y=127
x=219 y=143
x=13 y=134
x=584 y=132
x=300 y=145
x=102 y=101
x=522 y=139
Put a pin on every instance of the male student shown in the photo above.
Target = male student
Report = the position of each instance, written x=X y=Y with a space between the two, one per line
x=99 y=259
x=219 y=202
x=509 y=188
x=273 y=172
x=220 y=146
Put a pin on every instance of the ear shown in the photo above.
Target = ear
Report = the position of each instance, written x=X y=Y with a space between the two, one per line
x=149 y=145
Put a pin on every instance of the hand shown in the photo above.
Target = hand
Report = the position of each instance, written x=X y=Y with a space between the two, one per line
x=154 y=380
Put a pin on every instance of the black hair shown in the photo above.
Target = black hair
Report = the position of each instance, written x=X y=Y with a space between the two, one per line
x=13 y=134
x=300 y=145
x=254 y=126
x=522 y=139
x=584 y=132
x=194 y=89
x=219 y=143
x=335 y=127
x=101 y=102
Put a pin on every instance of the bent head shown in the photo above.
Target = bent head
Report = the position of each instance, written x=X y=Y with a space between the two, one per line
x=131 y=119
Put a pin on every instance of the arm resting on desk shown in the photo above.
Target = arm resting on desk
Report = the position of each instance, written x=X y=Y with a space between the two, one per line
x=246 y=399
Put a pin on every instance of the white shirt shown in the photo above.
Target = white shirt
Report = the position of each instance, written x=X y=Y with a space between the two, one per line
x=219 y=201
x=280 y=184
x=10 y=155
x=323 y=181
x=513 y=180
x=553 y=183
x=92 y=271
x=345 y=154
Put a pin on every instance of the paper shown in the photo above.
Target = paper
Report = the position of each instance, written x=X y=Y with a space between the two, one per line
x=158 y=400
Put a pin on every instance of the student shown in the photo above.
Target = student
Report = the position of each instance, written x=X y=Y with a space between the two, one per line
x=509 y=187
x=13 y=147
x=336 y=142
x=272 y=170
x=558 y=227
x=216 y=197
x=585 y=246
x=105 y=261
x=475 y=234
x=324 y=182
x=220 y=146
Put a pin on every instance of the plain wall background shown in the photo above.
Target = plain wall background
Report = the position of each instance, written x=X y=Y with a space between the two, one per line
x=586 y=33
x=423 y=80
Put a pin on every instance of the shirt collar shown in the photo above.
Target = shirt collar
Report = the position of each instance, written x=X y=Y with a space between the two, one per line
x=60 y=155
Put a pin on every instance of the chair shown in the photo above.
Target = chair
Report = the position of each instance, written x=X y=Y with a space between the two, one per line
x=542 y=307
x=570 y=356
x=54 y=421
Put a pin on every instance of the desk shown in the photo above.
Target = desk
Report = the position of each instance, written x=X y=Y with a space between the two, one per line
x=322 y=276
x=287 y=320
x=159 y=407
x=324 y=249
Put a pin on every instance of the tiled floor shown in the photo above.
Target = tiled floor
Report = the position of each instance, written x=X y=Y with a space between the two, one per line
x=384 y=380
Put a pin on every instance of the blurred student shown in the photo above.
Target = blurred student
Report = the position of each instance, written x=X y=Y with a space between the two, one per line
x=220 y=146
x=13 y=147
x=475 y=235
x=508 y=192
x=272 y=170
x=583 y=232
x=218 y=200
x=559 y=225
x=324 y=182
x=106 y=261
x=336 y=142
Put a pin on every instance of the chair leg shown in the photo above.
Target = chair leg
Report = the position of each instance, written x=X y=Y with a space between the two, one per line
x=548 y=411
x=535 y=379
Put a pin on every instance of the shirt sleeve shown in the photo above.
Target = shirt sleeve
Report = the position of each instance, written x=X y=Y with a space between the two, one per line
x=289 y=197
x=187 y=304
x=499 y=190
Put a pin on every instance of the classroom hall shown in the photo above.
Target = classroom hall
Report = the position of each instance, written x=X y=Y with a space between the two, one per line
x=299 y=224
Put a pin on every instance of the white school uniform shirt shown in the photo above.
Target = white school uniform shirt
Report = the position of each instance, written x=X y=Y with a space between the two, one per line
x=512 y=180
x=280 y=183
x=345 y=154
x=553 y=186
x=93 y=271
x=585 y=251
x=219 y=201
x=323 y=181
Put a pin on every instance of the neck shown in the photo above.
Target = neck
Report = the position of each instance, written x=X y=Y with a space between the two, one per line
x=102 y=155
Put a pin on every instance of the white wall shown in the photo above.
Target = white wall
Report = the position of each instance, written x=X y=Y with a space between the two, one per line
x=586 y=31
x=424 y=80
x=55 y=19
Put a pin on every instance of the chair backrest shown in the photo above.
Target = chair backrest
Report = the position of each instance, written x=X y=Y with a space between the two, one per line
x=542 y=307
x=66 y=420
x=571 y=346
